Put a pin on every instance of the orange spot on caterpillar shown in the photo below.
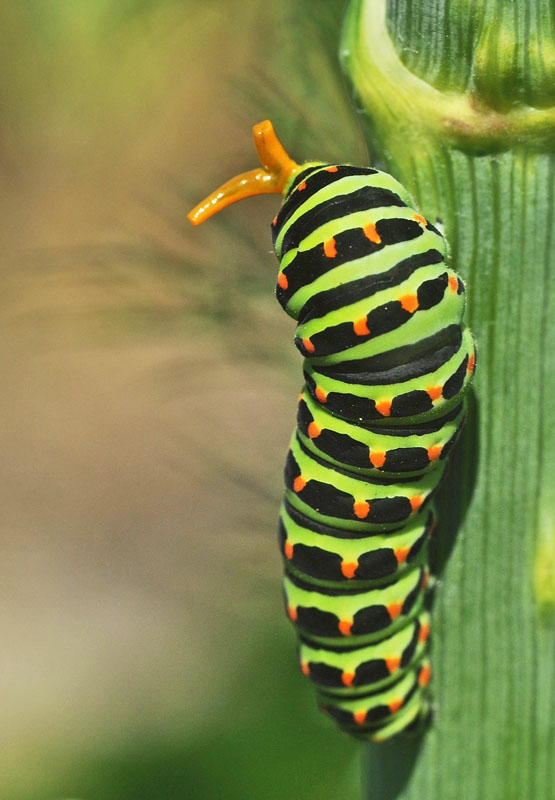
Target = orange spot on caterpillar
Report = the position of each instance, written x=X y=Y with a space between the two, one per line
x=288 y=549
x=425 y=579
x=313 y=430
x=394 y=609
x=302 y=186
x=347 y=678
x=424 y=632
x=330 y=250
x=471 y=363
x=401 y=554
x=416 y=502
x=453 y=283
x=292 y=612
x=361 y=509
x=409 y=302
x=321 y=395
x=393 y=663
x=360 y=327
x=274 y=221
x=283 y=283
x=308 y=346
x=299 y=483
x=305 y=669
x=371 y=233
x=300 y=396
x=419 y=218
x=383 y=407
x=345 y=626
x=434 y=452
x=425 y=675
x=377 y=458
x=359 y=717
x=331 y=169
x=348 y=568
x=395 y=705
x=434 y=392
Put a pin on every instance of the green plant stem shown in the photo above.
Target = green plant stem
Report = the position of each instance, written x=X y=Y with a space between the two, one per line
x=481 y=161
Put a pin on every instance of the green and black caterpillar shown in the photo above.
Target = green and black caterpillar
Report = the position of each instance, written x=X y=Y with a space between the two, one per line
x=387 y=360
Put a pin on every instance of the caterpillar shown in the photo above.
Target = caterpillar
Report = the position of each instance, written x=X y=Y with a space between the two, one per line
x=387 y=360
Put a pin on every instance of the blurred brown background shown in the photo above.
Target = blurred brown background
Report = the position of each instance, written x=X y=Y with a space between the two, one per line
x=149 y=391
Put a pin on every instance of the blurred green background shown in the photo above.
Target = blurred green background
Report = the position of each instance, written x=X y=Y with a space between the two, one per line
x=149 y=390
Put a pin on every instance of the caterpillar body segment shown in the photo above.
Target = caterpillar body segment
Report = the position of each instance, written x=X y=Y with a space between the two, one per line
x=322 y=553
x=383 y=713
x=376 y=450
x=387 y=360
x=353 y=671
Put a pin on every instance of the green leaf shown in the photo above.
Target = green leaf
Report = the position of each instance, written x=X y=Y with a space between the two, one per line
x=471 y=133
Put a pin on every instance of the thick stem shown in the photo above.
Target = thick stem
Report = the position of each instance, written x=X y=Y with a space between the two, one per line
x=489 y=175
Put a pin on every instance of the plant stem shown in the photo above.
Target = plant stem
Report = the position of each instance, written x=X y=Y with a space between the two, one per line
x=476 y=151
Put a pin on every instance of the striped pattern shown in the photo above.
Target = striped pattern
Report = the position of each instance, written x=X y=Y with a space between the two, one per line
x=387 y=360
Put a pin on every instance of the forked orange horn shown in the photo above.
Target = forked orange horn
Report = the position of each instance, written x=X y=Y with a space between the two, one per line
x=277 y=169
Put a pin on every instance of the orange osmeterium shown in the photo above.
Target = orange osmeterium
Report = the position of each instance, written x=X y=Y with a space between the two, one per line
x=277 y=170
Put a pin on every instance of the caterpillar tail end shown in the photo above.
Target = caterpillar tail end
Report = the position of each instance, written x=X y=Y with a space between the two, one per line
x=411 y=726
x=272 y=178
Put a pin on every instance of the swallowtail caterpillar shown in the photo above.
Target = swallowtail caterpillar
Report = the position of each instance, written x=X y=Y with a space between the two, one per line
x=387 y=360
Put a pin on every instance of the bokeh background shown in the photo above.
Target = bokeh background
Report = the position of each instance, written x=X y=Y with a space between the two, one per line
x=149 y=389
